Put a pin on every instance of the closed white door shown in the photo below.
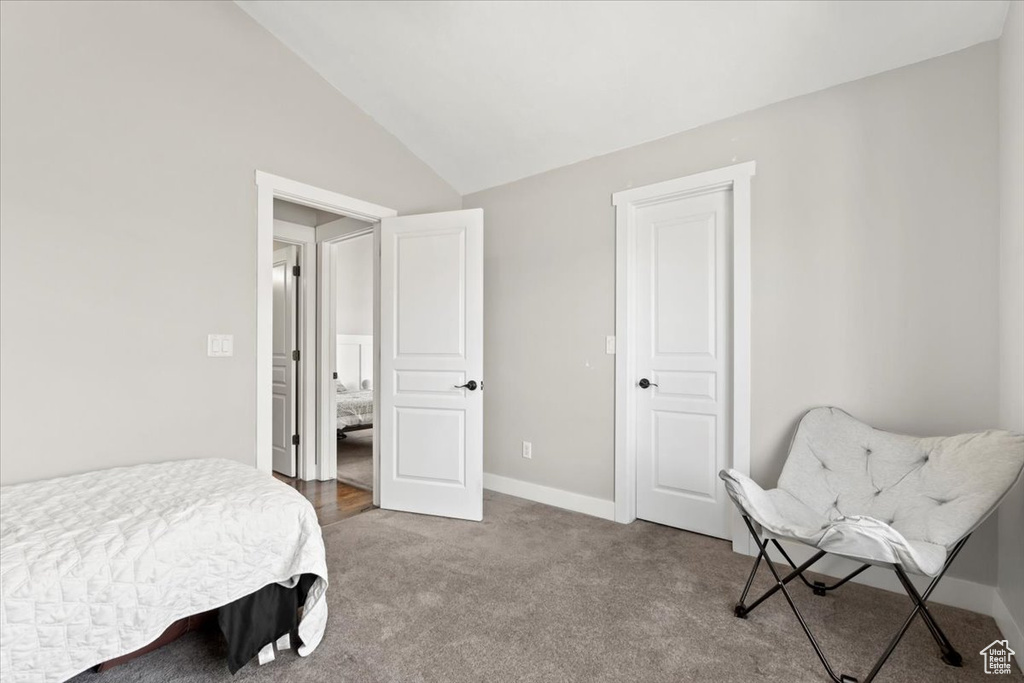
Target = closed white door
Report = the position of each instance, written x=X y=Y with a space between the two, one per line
x=682 y=383
x=284 y=377
x=431 y=364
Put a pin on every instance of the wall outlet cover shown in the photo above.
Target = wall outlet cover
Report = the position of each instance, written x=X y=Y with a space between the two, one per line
x=220 y=345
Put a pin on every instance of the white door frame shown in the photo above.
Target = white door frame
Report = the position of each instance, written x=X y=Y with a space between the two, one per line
x=737 y=179
x=311 y=465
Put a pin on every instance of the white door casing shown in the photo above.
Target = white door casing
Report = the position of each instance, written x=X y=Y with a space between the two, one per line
x=683 y=259
x=431 y=345
x=318 y=459
x=284 y=392
x=327 y=397
x=686 y=387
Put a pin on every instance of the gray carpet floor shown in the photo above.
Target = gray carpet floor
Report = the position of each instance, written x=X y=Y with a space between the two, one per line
x=534 y=593
x=355 y=459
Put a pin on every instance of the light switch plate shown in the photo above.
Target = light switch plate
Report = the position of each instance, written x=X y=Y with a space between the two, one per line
x=220 y=345
x=609 y=344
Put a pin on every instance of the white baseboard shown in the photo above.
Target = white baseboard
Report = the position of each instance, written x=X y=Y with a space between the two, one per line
x=953 y=591
x=577 y=502
x=1011 y=630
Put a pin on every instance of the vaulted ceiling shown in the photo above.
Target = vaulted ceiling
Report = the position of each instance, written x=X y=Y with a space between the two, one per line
x=490 y=92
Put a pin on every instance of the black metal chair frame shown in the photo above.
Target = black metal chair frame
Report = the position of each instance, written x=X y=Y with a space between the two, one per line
x=949 y=654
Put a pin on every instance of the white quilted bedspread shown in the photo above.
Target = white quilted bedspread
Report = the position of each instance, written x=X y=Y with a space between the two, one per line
x=97 y=565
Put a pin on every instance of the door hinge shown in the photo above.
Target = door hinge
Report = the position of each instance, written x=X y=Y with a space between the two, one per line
x=296 y=355
x=335 y=375
x=295 y=439
x=296 y=271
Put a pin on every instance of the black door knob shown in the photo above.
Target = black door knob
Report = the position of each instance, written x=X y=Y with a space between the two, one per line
x=471 y=385
x=644 y=383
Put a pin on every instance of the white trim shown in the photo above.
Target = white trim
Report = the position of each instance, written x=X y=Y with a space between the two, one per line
x=976 y=597
x=567 y=500
x=268 y=188
x=326 y=353
x=293 y=233
x=737 y=178
x=343 y=228
x=697 y=181
x=376 y=362
x=325 y=200
x=1008 y=626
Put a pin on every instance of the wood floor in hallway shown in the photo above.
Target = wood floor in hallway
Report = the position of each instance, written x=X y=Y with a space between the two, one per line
x=333 y=500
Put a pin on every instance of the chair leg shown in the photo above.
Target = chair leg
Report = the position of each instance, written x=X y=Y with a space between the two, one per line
x=780 y=584
x=949 y=654
x=818 y=587
x=742 y=610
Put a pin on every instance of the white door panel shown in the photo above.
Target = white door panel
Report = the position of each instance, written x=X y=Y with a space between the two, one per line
x=431 y=429
x=430 y=316
x=673 y=431
x=683 y=253
x=284 y=375
x=417 y=430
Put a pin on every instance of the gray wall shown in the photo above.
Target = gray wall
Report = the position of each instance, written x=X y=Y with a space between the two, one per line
x=129 y=137
x=1011 y=220
x=294 y=213
x=301 y=215
x=874 y=274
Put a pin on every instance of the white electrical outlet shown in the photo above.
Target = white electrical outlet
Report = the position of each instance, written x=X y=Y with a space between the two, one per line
x=527 y=450
x=609 y=345
x=220 y=345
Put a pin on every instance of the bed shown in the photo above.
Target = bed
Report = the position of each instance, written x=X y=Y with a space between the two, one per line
x=99 y=565
x=354 y=382
x=354 y=410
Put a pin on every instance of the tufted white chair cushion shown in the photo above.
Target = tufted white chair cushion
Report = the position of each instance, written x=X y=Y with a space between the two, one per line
x=853 y=490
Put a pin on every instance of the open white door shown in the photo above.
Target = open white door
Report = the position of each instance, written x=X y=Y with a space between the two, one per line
x=431 y=364
x=284 y=379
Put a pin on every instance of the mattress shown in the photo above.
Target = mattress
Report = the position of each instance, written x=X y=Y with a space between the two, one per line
x=354 y=408
x=97 y=565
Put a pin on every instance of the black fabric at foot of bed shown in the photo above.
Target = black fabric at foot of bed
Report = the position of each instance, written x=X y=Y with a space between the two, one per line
x=259 y=618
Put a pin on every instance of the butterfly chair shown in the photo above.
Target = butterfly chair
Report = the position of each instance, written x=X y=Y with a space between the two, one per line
x=900 y=502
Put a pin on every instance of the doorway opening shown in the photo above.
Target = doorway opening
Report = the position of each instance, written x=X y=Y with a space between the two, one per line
x=294 y=339
x=351 y=261
x=296 y=423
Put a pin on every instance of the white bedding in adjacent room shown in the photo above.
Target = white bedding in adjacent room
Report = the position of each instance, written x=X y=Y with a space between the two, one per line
x=97 y=565
x=355 y=408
